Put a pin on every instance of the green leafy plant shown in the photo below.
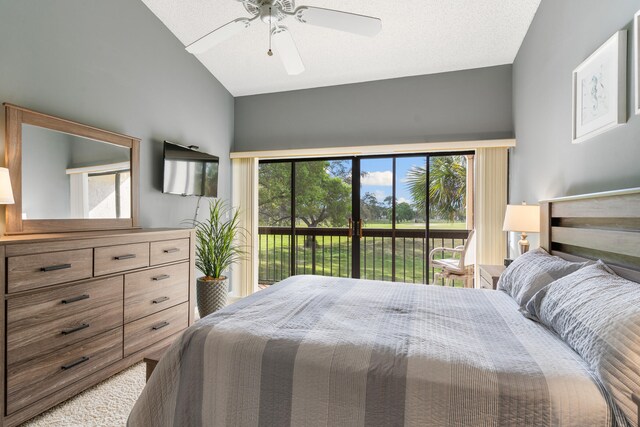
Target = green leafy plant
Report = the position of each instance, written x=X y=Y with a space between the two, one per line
x=218 y=240
x=447 y=187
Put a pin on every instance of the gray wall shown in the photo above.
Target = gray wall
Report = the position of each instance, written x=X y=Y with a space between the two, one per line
x=545 y=164
x=114 y=65
x=462 y=105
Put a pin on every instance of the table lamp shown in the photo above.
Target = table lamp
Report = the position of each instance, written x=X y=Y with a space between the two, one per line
x=6 y=193
x=522 y=219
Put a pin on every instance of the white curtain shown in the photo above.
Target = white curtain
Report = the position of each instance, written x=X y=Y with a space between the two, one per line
x=79 y=195
x=490 y=205
x=244 y=196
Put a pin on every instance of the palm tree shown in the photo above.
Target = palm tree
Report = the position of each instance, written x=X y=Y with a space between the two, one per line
x=447 y=187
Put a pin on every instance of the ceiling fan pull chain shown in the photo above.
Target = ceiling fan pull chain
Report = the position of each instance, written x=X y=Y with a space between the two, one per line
x=270 y=52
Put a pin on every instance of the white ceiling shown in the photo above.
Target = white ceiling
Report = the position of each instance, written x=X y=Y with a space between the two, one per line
x=418 y=37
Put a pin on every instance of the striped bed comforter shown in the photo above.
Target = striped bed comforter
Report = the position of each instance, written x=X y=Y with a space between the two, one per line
x=314 y=351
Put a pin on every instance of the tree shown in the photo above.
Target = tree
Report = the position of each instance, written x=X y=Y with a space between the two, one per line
x=447 y=187
x=404 y=212
x=321 y=197
x=371 y=209
x=323 y=193
x=274 y=194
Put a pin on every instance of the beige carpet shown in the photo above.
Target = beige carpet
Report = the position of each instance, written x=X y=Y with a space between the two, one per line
x=105 y=405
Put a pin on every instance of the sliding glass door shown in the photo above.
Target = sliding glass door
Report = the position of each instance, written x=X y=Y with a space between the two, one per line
x=369 y=217
x=376 y=196
x=275 y=207
x=322 y=212
x=305 y=211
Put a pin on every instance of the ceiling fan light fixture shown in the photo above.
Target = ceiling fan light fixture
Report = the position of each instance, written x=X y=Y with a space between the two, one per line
x=272 y=12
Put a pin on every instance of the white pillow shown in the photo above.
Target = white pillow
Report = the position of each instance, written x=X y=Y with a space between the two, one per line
x=533 y=271
x=597 y=313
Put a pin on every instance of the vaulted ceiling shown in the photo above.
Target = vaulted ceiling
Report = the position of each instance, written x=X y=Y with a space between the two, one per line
x=417 y=37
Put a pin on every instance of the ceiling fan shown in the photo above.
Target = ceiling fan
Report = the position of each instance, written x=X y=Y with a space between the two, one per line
x=273 y=12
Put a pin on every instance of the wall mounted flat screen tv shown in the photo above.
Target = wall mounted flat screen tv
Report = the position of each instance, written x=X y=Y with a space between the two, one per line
x=189 y=172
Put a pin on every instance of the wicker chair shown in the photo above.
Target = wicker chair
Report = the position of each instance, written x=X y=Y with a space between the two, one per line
x=459 y=266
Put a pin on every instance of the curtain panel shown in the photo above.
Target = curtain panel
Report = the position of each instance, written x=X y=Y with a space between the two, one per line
x=490 y=204
x=244 y=197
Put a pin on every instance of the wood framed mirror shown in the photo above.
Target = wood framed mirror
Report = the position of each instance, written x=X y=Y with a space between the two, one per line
x=67 y=176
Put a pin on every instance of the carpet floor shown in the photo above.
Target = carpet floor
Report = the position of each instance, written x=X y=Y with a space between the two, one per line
x=105 y=405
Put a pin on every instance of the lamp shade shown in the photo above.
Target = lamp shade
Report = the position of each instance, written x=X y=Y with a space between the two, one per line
x=6 y=193
x=522 y=218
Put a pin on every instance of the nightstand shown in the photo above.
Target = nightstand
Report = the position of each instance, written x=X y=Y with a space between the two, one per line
x=489 y=275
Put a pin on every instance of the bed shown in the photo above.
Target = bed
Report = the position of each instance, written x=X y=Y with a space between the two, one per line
x=317 y=351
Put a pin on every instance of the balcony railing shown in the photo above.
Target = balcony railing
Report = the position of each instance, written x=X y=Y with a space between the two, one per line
x=328 y=252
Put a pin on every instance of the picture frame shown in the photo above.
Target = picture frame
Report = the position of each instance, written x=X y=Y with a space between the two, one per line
x=600 y=90
x=636 y=56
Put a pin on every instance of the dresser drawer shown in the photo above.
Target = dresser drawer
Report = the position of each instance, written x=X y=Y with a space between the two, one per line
x=36 y=271
x=169 y=251
x=52 y=319
x=31 y=381
x=151 y=329
x=150 y=291
x=114 y=259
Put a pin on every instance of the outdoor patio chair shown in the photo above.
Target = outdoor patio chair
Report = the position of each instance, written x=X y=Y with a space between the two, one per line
x=459 y=266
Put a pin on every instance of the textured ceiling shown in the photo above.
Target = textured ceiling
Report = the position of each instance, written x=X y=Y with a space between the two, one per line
x=418 y=37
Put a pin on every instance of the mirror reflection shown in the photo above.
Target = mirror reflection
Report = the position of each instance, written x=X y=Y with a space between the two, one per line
x=71 y=177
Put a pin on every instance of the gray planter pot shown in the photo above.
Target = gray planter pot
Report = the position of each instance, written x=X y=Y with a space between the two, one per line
x=211 y=295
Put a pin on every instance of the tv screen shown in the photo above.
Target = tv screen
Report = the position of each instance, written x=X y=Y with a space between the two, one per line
x=189 y=172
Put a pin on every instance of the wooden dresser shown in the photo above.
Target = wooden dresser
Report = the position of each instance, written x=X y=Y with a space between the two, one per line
x=80 y=307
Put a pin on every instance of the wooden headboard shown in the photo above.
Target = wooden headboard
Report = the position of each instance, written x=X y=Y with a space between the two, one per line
x=602 y=226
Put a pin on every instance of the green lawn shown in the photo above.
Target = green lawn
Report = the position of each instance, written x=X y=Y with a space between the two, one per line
x=333 y=256
x=411 y=225
x=419 y=225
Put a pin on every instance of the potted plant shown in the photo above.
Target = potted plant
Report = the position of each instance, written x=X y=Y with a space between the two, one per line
x=217 y=249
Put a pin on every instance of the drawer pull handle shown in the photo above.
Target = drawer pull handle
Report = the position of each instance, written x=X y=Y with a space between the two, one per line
x=56 y=267
x=75 y=299
x=160 y=326
x=171 y=251
x=75 y=363
x=161 y=277
x=159 y=300
x=75 y=329
x=128 y=256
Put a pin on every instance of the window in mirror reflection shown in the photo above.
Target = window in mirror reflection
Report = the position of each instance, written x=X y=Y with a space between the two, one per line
x=101 y=192
x=109 y=194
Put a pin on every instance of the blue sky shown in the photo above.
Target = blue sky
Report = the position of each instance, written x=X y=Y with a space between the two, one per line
x=379 y=178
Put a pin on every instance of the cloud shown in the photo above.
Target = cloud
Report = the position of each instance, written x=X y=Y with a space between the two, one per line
x=381 y=179
x=380 y=195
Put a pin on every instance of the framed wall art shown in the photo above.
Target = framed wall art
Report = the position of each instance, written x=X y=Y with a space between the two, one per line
x=599 y=90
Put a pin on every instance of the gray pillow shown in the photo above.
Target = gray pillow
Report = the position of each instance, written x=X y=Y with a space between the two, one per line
x=533 y=271
x=597 y=313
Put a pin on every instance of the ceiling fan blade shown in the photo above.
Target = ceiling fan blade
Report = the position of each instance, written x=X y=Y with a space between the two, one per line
x=341 y=21
x=287 y=50
x=219 y=35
